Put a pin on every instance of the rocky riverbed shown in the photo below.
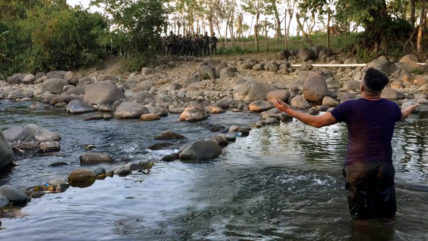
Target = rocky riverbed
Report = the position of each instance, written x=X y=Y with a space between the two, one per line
x=190 y=91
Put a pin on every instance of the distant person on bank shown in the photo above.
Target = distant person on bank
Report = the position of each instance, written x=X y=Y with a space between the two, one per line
x=369 y=173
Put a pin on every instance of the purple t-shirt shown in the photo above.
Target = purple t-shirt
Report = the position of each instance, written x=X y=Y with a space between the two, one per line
x=370 y=127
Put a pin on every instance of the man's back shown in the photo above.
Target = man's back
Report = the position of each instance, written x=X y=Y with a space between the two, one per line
x=370 y=127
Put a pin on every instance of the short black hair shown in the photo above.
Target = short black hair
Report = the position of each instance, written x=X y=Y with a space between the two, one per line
x=375 y=80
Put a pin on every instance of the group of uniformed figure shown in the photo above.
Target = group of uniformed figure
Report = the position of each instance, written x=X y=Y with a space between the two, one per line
x=198 y=45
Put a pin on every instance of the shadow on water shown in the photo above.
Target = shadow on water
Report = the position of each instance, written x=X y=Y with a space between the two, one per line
x=280 y=183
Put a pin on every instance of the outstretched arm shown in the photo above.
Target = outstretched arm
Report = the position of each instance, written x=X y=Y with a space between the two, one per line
x=315 y=121
x=406 y=112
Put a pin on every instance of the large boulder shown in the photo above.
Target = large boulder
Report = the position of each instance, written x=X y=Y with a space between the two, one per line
x=300 y=102
x=21 y=138
x=130 y=110
x=42 y=134
x=103 y=92
x=249 y=90
x=382 y=64
x=201 y=150
x=315 y=87
x=193 y=113
x=81 y=178
x=6 y=153
x=13 y=195
x=78 y=107
x=55 y=85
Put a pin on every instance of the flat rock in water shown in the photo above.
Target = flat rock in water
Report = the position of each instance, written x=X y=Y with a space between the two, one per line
x=78 y=107
x=193 y=113
x=149 y=117
x=169 y=135
x=159 y=146
x=42 y=134
x=49 y=146
x=13 y=195
x=58 y=164
x=94 y=158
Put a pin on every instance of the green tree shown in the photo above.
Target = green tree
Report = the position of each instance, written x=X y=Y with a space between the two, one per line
x=138 y=23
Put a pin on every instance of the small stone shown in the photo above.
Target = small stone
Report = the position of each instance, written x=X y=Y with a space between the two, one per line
x=58 y=164
x=170 y=157
x=123 y=171
x=244 y=131
x=234 y=128
x=149 y=117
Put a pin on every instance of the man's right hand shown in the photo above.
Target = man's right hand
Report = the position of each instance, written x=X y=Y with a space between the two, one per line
x=406 y=112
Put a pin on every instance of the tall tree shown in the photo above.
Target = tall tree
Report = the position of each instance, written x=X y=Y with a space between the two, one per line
x=272 y=8
x=422 y=19
x=255 y=8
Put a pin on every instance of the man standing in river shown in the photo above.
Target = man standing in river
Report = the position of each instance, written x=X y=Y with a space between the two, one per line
x=369 y=173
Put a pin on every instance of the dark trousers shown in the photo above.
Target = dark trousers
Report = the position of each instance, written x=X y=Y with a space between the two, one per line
x=371 y=192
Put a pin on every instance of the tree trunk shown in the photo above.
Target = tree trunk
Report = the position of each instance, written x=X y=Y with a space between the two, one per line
x=256 y=30
x=278 y=21
x=307 y=37
x=210 y=21
x=266 y=38
x=285 y=30
x=232 y=36
x=225 y=33
x=328 y=28
x=421 y=28
x=412 y=12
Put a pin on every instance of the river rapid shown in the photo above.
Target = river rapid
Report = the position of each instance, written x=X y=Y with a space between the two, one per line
x=282 y=182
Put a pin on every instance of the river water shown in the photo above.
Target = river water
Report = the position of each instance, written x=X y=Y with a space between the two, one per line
x=282 y=182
